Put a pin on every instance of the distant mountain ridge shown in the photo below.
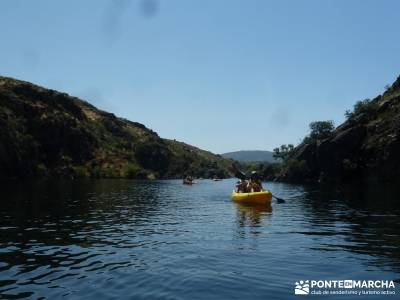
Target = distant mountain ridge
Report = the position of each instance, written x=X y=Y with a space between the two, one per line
x=250 y=156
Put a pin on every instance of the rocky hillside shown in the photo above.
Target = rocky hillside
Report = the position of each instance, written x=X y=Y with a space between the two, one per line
x=46 y=133
x=365 y=148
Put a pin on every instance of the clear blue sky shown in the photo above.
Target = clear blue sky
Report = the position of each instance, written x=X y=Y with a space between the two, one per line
x=221 y=75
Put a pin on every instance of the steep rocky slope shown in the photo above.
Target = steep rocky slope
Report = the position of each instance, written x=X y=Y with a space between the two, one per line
x=46 y=133
x=365 y=148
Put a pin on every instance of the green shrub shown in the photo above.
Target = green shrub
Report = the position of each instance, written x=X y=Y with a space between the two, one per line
x=97 y=172
x=41 y=170
x=283 y=152
x=80 y=171
x=321 y=130
x=362 y=106
x=296 y=168
x=153 y=155
x=271 y=171
x=134 y=171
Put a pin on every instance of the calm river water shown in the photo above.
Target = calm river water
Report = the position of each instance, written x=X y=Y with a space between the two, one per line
x=124 y=239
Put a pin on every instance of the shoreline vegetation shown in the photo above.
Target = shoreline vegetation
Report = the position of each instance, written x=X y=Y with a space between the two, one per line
x=48 y=134
x=363 y=150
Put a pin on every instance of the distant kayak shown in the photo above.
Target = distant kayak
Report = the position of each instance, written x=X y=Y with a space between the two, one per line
x=256 y=197
x=188 y=182
x=217 y=179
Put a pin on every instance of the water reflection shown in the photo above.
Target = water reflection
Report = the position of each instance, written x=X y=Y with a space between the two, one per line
x=52 y=230
x=252 y=215
x=251 y=222
x=364 y=220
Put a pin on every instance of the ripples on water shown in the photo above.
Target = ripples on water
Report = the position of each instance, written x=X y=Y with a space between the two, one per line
x=163 y=240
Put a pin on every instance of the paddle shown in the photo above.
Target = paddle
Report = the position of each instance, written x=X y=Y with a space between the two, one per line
x=278 y=200
x=238 y=174
x=241 y=175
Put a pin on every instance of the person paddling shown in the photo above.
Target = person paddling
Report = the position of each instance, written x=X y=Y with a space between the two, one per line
x=242 y=186
x=255 y=182
x=188 y=180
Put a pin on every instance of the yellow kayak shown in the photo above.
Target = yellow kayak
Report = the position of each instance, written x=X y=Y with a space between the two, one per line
x=256 y=197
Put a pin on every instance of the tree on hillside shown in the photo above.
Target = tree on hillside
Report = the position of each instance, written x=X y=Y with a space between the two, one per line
x=367 y=106
x=321 y=130
x=283 y=152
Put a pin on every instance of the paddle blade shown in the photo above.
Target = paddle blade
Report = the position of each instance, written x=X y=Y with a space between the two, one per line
x=279 y=200
x=238 y=174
